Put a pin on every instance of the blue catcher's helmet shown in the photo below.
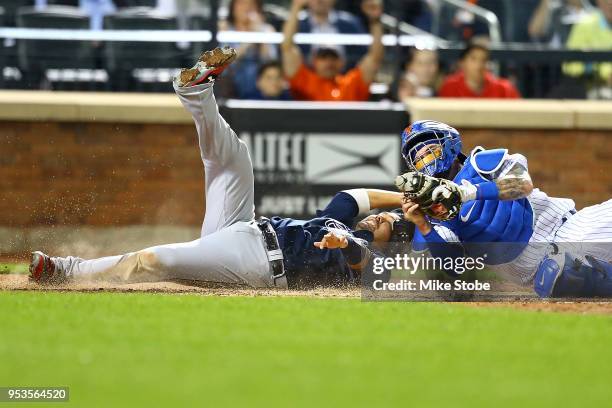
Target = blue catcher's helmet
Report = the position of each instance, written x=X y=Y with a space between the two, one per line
x=430 y=147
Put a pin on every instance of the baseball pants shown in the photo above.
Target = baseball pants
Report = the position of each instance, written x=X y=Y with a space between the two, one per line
x=588 y=232
x=231 y=248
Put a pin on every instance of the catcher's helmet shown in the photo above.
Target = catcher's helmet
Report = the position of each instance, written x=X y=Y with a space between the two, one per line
x=430 y=147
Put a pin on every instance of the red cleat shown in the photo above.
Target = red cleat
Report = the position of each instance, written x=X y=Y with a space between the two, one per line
x=44 y=270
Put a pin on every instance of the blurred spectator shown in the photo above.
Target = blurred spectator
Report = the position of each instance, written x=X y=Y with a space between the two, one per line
x=321 y=17
x=247 y=15
x=553 y=19
x=422 y=66
x=366 y=8
x=407 y=86
x=96 y=9
x=457 y=24
x=415 y=12
x=271 y=84
x=324 y=82
x=473 y=80
x=593 y=32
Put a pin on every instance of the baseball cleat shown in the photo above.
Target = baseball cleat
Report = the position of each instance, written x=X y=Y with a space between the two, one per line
x=44 y=270
x=209 y=66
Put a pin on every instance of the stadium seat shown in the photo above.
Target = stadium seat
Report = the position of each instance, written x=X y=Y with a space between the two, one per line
x=71 y=3
x=123 y=57
x=135 y=3
x=10 y=10
x=37 y=56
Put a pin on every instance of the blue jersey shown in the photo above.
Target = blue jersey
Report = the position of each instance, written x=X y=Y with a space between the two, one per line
x=297 y=237
x=489 y=221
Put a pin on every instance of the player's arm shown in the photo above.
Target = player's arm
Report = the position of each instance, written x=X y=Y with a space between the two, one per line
x=512 y=182
x=291 y=55
x=441 y=241
x=348 y=204
x=515 y=184
x=371 y=62
x=381 y=199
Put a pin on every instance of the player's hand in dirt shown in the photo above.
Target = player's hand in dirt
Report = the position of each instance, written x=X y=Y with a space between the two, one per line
x=332 y=240
x=415 y=215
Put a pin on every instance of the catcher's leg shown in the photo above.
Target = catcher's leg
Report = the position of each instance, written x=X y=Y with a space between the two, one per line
x=233 y=255
x=227 y=164
x=589 y=232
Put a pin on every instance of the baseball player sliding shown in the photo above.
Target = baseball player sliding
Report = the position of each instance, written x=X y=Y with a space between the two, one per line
x=233 y=247
x=485 y=204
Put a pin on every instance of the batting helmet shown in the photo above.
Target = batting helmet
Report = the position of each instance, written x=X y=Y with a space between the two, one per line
x=430 y=147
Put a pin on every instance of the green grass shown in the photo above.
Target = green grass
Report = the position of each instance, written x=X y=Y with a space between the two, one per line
x=168 y=350
x=19 y=268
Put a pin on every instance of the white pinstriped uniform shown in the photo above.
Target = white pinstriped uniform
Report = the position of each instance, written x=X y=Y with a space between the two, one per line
x=587 y=232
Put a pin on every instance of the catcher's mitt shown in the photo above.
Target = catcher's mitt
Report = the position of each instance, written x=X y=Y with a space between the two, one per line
x=437 y=198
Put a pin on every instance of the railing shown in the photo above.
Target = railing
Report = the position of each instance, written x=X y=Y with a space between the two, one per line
x=171 y=36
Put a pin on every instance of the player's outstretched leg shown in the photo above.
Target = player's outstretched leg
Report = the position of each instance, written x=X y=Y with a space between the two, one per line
x=233 y=255
x=228 y=167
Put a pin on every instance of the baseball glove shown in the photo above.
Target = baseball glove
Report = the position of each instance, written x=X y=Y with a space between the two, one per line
x=437 y=198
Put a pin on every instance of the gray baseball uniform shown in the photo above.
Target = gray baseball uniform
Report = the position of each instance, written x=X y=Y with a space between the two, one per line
x=231 y=248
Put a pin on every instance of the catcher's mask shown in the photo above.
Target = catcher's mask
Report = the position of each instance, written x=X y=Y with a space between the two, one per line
x=430 y=147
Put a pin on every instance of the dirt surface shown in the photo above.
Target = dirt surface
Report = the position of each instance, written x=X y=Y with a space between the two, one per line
x=519 y=301
x=21 y=282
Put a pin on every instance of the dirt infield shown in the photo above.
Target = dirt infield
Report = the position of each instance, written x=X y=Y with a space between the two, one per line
x=21 y=283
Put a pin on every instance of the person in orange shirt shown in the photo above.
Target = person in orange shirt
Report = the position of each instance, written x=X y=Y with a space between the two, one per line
x=324 y=81
x=473 y=80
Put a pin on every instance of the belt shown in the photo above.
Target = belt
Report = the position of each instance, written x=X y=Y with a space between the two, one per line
x=567 y=216
x=275 y=255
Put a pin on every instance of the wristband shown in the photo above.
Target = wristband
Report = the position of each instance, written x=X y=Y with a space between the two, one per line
x=487 y=191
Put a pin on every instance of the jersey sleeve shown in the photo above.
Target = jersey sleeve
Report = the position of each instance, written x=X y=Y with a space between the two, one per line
x=495 y=165
x=439 y=235
x=511 y=163
x=343 y=207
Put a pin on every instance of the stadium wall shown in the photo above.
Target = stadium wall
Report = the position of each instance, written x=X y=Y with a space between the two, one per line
x=71 y=160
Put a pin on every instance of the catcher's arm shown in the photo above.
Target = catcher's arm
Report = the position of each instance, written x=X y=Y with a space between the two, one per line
x=512 y=182
x=415 y=215
x=447 y=246
x=515 y=184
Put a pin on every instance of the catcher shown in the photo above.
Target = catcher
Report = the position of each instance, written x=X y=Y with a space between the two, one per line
x=485 y=205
